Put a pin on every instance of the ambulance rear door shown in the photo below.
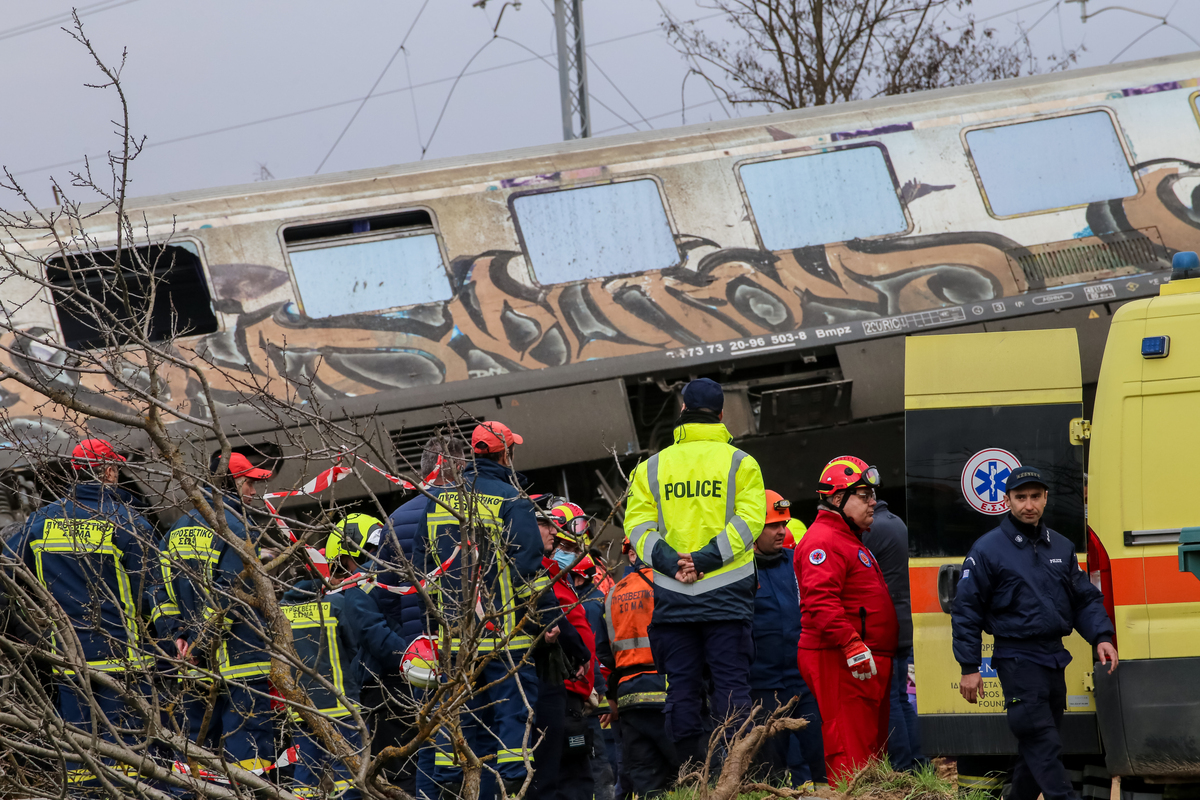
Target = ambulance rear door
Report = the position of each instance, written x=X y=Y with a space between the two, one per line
x=977 y=406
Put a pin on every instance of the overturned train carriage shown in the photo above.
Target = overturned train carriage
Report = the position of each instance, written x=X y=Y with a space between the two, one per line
x=567 y=289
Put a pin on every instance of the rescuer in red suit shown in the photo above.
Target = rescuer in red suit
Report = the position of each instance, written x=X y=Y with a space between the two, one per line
x=849 y=631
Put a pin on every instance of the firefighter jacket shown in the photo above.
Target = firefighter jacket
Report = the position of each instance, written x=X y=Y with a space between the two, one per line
x=405 y=612
x=776 y=625
x=94 y=553
x=502 y=541
x=201 y=573
x=381 y=644
x=624 y=643
x=843 y=597
x=1023 y=585
x=326 y=641
x=705 y=497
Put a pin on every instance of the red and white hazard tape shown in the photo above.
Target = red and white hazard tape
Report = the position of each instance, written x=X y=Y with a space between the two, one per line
x=324 y=481
x=289 y=757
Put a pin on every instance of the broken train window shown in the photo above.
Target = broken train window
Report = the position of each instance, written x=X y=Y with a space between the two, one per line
x=354 y=266
x=96 y=294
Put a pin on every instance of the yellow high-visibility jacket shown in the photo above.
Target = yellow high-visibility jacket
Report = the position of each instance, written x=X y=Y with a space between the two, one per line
x=705 y=497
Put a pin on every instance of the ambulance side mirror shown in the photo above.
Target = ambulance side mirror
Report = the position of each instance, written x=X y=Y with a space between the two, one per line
x=947 y=584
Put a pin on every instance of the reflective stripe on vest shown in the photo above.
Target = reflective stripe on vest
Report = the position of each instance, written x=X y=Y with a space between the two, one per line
x=628 y=610
x=723 y=577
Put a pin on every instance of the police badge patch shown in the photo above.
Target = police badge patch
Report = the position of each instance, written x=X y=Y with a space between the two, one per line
x=816 y=557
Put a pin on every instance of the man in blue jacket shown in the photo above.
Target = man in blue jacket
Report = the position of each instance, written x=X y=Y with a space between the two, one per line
x=775 y=672
x=92 y=551
x=1021 y=582
x=391 y=702
x=502 y=541
x=202 y=573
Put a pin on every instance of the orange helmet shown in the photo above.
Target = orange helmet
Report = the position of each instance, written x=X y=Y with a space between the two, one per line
x=571 y=522
x=777 y=508
x=847 y=472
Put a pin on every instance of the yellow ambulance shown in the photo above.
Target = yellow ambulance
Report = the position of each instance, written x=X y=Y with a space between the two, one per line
x=977 y=406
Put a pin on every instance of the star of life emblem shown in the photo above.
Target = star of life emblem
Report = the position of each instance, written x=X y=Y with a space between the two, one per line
x=984 y=479
x=816 y=557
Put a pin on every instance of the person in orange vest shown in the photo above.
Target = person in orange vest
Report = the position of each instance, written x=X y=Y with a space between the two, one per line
x=849 y=630
x=637 y=692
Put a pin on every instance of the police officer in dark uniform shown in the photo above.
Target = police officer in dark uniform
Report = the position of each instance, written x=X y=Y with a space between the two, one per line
x=1022 y=583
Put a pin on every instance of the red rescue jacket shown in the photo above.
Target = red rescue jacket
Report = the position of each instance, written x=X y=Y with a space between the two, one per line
x=843 y=597
x=564 y=593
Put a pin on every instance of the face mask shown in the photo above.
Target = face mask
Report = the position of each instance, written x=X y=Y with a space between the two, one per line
x=565 y=558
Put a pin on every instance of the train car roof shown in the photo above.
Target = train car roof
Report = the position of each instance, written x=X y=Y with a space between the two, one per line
x=543 y=159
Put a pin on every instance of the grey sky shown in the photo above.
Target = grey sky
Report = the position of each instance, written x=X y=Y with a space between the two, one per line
x=222 y=87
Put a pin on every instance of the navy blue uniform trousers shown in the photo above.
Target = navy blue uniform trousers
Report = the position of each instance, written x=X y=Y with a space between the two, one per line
x=315 y=763
x=495 y=722
x=1035 y=698
x=682 y=650
x=76 y=711
x=242 y=715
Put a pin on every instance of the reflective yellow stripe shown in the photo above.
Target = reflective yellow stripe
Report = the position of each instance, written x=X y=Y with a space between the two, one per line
x=164 y=610
x=639 y=698
x=91 y=537
x=487 y=644
x=441 y=759
x=510 y=756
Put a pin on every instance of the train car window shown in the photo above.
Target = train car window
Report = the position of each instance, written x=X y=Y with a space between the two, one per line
x=361 y=265
x=81 y=284
x=1050 y=164
x=823 y=198
x=595 y=231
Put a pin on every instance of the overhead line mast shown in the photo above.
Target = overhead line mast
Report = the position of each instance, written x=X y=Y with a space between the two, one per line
x=572 y=69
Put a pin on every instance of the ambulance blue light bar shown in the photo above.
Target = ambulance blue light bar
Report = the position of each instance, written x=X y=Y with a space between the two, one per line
x=1156 y=346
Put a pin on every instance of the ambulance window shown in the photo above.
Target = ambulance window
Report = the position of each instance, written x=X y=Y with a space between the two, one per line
x=595 y=231
x=957 y=461
x=358 y=265
x=823 y=198
x=1050 y=164
x=81 y=283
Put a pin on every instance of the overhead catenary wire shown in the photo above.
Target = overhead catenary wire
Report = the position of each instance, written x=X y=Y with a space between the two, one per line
x=59 y=19
x=337 y=104
x=374 y=86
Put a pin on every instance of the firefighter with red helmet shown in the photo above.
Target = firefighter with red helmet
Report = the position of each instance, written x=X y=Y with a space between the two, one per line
x=573 y=537
x=849 y=628
x=565 y=672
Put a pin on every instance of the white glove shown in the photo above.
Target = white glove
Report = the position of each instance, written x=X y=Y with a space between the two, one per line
x=860 y=661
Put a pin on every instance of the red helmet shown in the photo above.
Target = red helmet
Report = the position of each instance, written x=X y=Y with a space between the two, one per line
x=420 y=663
x=571 y=522
x=584 y=567
x=847 y=472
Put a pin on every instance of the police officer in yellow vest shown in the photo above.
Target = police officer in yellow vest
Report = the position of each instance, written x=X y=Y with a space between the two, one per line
x=694 y=512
